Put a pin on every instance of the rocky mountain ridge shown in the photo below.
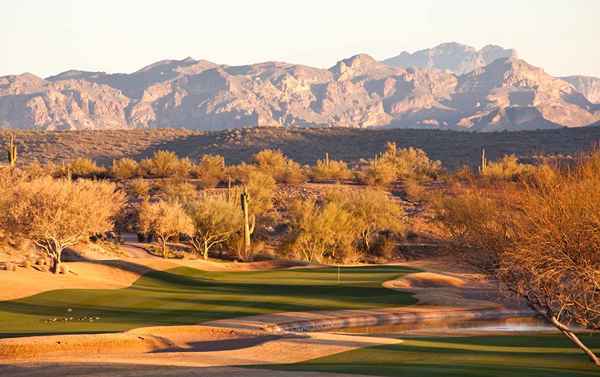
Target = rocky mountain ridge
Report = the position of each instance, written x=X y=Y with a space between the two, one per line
x=454 y=57
x=359 y=92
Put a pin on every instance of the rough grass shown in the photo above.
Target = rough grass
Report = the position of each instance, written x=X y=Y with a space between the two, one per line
x=189 y=296
x=494 y=356
x=453 y=148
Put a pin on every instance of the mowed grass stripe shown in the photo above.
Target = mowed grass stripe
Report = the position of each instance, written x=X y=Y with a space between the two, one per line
x=188 y=296
x=493 y=356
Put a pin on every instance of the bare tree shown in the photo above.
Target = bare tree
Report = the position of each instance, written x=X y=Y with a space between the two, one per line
x=541 y=239
x=555 y=263
x=165 y=220
x=56 y=214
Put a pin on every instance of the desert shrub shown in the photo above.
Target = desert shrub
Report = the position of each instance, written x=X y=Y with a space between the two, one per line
x=277 y=165
x=165 y=220
x=210 y=171
x=271 y=161
x=320 y=233
x=414 y=190
x=478 y=223
x=125 y=168
x=261 y=188
x=165 y=164
x=507 y=168
x=293 y=174
x=140 y=188
x=330 y=170
x=385 y=247
x=373 y=211
x=172 y=190
x=540 y=239
x=81 y=168
x=378 y=172
x=184 y=168
x=462 y=175
x=57 y=213
x=240 y=173
x=410 y=162
x=216 y=220
x=36 y=170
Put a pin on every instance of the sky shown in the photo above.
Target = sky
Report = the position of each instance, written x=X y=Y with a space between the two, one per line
x=46 y=37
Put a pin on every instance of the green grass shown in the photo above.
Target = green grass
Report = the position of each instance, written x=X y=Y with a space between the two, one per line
x=189 y=296
x=497 y=356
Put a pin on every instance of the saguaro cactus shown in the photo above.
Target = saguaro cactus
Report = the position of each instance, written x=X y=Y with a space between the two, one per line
x=11 y=150
x=327 y=159
x=248 y=228
x=483 y=163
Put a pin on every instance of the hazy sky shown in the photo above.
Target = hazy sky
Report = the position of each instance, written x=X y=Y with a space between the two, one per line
x=50 y=36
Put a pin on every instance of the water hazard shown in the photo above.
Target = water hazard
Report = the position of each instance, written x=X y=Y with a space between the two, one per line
x=458 y=327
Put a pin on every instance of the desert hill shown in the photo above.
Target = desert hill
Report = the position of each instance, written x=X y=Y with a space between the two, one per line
x=305 y=145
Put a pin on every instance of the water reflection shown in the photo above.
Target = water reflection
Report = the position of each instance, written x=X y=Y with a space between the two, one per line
x=458 y=327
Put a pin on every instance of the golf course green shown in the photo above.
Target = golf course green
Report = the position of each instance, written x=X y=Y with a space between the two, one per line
x=493 y=356
x=190 y=296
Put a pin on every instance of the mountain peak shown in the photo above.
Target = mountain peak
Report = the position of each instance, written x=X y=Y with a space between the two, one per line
x=452 y=56
x=359 y=65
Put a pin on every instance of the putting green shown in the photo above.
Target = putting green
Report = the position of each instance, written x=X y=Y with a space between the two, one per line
x=189 y=296
x=493 y=356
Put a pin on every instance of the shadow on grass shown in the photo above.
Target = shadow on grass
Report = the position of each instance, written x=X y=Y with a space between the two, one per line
x=188 y=296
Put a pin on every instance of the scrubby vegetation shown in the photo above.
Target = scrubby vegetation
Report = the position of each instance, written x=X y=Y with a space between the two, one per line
x=57 y=213
x=534 y=227
x=303 y=145
x=538 y=232
x=343 y=226
x=165 y=220
x=216 y=219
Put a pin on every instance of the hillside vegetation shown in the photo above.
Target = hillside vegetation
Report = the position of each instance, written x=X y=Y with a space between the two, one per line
x=305 y=146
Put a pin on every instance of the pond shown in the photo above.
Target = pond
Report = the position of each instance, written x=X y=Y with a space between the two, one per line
x=511 y=325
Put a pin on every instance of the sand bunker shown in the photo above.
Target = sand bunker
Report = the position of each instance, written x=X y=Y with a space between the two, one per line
x=428 y=280
x=100 y=270
x=138 y=341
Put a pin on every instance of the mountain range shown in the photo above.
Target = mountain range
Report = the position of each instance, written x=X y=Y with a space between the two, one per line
x=451 y=86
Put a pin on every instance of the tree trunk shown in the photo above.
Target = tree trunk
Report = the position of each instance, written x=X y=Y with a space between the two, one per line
x=205 y=250
x=164 y=247
x=575 y=340
x=56 y=261
x=244 y=198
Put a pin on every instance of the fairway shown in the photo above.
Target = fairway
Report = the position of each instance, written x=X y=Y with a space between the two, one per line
x=189 y=296
x=497 y=356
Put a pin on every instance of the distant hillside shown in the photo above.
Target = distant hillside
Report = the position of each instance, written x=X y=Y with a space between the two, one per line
x=304 y=145
x=450 y=87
